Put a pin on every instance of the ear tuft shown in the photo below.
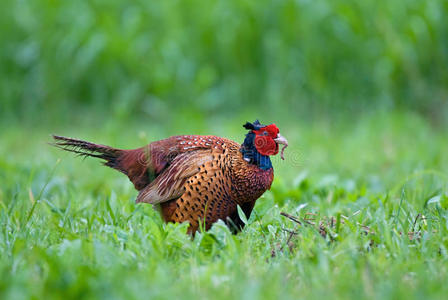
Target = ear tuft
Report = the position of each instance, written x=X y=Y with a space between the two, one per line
x=253 y=126
x=249 y=126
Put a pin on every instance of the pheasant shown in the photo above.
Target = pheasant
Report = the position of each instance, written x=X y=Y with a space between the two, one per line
x=193 y=178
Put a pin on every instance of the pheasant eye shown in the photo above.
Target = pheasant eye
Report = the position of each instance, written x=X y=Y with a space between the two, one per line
x=265 y=133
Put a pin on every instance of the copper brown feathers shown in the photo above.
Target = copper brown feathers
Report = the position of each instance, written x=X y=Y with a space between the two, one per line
x=199 y=179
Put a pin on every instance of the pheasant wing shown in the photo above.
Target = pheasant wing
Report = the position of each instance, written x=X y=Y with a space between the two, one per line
x=170 y=183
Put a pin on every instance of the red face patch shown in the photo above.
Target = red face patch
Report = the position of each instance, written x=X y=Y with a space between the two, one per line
x=264 y=140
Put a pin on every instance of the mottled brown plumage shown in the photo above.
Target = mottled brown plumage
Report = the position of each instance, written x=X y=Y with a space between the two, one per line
x=199 y=179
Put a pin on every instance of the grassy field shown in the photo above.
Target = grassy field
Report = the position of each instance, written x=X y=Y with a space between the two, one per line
x=369 y=200
x=359 y=88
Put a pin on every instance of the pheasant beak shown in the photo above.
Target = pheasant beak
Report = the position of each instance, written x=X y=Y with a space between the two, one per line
x=281 y=140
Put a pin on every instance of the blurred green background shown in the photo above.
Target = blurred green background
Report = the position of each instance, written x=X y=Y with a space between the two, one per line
x=157 y=61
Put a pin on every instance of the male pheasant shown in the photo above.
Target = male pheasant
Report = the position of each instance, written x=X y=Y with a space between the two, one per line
x=199 y=179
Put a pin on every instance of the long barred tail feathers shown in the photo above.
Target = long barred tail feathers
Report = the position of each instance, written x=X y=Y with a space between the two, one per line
x=84 y=148
x=133 y=163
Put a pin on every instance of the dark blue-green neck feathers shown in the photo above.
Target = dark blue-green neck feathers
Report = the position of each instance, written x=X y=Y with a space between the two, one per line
x=251 y=154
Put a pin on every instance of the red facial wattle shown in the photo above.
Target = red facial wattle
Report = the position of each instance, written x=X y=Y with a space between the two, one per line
x=264 y=140
x=266 y=145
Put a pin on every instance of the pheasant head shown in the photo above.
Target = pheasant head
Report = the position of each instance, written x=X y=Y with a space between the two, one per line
x=261 y=142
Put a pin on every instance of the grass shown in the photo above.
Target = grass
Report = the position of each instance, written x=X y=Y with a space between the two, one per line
x=365 y=184
x=370 y=194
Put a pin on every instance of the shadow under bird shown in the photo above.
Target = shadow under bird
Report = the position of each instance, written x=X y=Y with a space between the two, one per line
x=196 y=179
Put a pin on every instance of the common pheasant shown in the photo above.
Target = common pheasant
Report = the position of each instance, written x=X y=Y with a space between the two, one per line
x=199 y=179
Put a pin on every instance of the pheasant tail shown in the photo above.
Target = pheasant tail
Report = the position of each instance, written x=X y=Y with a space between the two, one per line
x=133 y=163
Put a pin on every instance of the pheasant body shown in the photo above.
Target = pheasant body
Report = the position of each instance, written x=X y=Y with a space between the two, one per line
x=199 y=179
x=221 y=183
